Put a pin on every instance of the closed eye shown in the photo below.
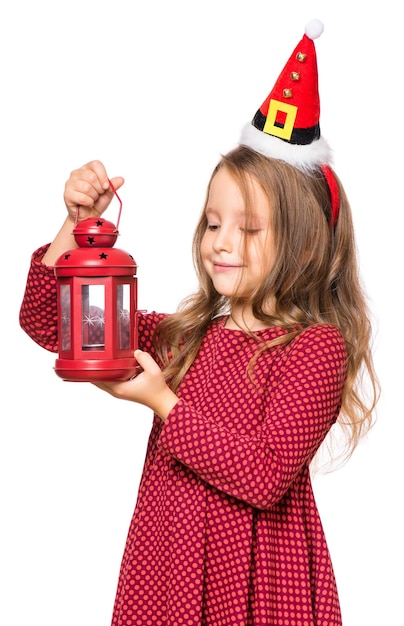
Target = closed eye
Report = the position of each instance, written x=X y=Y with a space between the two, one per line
x=250 y=231
x=212 y=227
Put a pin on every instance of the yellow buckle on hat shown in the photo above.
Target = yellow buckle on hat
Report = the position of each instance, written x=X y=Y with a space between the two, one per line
x=284 y=132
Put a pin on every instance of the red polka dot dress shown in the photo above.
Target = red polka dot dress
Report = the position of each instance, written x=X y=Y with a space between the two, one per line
x=226 y=531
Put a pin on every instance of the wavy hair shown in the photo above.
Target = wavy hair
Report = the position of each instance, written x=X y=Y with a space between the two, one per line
x=313 y=279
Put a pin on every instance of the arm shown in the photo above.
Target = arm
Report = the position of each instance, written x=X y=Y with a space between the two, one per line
x=299 y=412
x=87 y=190
x=260 y=469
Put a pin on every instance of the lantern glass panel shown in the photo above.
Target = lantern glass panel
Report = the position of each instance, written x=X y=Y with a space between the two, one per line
x=93 y=322
x=123 y=316
x=65 y=316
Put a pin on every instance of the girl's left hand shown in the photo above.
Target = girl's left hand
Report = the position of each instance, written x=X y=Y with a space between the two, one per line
x=148 y=388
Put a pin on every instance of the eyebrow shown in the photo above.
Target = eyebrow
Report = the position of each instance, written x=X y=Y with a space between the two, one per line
x=211 y=210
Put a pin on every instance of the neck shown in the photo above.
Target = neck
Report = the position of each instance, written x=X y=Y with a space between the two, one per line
x=244 y=321
x=241 y=316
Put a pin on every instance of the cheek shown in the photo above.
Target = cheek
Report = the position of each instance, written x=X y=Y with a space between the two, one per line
x=204 y=248
x=261 y=253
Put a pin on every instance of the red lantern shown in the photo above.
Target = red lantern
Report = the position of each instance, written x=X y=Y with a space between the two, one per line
x=97 y=305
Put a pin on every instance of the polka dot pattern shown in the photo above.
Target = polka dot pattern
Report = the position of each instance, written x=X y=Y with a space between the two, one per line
x=37 y=312
x=226 y=531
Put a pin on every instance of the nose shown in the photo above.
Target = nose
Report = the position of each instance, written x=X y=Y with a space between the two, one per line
x=223 y=240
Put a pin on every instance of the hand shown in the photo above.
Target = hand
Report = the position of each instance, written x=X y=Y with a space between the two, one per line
x=89 y=189
x=148 y=388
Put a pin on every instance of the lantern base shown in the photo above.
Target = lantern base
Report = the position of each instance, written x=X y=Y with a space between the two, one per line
x=93 y=370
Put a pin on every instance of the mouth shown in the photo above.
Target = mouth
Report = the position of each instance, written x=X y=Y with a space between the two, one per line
x=225 y=267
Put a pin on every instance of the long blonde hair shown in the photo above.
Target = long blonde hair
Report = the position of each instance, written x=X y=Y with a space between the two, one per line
x=314 y=279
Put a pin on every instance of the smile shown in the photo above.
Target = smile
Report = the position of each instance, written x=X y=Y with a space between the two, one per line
x=225 y=267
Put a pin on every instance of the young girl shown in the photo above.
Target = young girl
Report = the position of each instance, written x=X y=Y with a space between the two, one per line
x=245 y=380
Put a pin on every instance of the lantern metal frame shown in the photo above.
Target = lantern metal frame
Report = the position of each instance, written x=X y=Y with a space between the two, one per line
x=96 y=263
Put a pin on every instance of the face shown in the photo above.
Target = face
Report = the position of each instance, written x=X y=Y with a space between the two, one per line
x=235 y=257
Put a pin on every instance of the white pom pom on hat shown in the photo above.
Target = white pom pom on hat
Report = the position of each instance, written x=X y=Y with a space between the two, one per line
x=314 y=29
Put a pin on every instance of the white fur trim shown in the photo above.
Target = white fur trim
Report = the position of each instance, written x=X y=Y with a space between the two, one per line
x=305 y=158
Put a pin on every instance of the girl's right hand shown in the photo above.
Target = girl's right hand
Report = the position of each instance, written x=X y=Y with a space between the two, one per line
x=88 y=189
x=89 y=192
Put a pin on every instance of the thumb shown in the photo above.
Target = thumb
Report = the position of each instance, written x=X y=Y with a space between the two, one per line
x=146 y=361
x=117 y=182
x=105 y=198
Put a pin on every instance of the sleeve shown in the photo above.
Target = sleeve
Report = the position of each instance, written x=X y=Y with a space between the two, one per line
x=298 y=414
x=38 y=311
x=147 y=323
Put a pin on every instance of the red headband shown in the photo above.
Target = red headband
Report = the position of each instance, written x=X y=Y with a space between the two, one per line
x=334 y=193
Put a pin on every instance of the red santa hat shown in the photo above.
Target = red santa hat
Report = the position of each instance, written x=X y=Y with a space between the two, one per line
x=287 y=124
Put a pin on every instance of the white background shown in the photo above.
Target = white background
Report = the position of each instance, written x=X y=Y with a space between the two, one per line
x=157 y=91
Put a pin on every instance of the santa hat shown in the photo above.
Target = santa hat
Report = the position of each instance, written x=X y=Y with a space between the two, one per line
x=287 y=124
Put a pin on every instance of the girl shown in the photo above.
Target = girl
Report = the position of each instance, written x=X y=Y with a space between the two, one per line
x=245 y=381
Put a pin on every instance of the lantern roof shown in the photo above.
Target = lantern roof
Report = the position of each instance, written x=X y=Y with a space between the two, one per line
x=95 y=262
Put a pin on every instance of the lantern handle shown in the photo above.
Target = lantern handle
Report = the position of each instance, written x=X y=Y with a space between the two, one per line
x=120 y=204
x=120 y=209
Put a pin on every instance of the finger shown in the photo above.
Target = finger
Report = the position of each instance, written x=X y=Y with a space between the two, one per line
x=81 y=194
x=113 y=388
x=105 y=198
x=89 y=186
x=101 y=182
x=101 y=385
x=146 y=362
x=91 y=180
x=98 y=175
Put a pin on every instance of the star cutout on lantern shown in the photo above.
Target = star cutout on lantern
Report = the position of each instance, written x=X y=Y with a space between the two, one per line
x=99 y=320
x=89 y=320
x=94 y=320
x=67 y=256
x=103 y=255
x=90 y=240
x=99 y=223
